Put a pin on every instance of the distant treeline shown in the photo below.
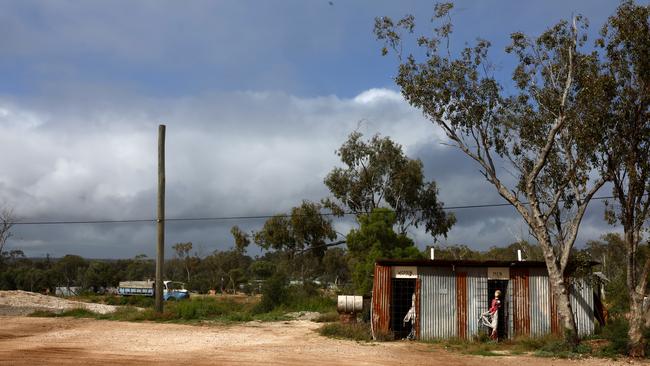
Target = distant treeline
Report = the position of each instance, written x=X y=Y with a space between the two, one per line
x=233 y=270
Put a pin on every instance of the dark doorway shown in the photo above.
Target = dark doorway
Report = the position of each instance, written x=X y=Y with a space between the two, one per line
x=501 y=285
x=401 y=300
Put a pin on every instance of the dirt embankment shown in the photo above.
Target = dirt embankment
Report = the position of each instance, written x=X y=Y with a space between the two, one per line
x=24 y=303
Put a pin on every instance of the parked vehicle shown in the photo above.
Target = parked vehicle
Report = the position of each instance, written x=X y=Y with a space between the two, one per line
x=171 y=289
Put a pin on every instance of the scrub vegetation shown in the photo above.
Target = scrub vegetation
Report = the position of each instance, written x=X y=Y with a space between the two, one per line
x=207 y=308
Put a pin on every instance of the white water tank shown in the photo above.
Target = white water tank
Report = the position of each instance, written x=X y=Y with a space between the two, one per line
x=349 y=304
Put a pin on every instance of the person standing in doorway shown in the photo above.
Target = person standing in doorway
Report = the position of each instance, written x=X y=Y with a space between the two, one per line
x=494 y=312
x=490 y=318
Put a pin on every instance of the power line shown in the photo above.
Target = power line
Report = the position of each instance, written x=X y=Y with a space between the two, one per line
x=231 y=218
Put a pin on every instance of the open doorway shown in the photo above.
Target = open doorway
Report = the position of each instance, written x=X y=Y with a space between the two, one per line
x=501 y=285
x=401 y=300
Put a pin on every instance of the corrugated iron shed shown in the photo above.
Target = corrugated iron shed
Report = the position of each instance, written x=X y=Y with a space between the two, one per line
x=451 y=295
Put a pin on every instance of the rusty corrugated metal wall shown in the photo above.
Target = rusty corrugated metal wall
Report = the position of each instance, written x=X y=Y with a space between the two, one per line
x=540 y=300
x=381 y=292
x=508 y=311
x=448 y=303
x=555 y=316
x=461 y=304
x=438 y=303
x=476 y=298
x=520 y=302
x=582 y=304
x=418 y=286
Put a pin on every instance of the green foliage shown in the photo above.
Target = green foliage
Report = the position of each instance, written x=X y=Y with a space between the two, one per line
x=378 y=174
x=610 y=251
x=274 y=292
x=301 y=239
x=308 y=298
x=353 y=331
x=242 y=240
x=335 y=266
x=616 y=332
x=204 y=308
x=376 y=239
x=624 y=100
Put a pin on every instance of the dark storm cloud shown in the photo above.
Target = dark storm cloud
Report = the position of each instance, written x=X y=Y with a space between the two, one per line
x=228 y=154
x=256 y=97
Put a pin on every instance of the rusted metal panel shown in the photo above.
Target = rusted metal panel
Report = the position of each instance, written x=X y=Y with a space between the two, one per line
x=437 y=303
x=508 y=312
x=461 y=304
x=582 y=304
x=381 y=294
x=477 y=297
x=418 y=286
x=555 y=316
x=540 y=309
x=520 y=302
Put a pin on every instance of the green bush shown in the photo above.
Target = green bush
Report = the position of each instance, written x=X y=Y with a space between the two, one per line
x=274 y=293
x=353 y=331
x=139 y=301
x=306 y=298
x=615 y=331
x=202 y=308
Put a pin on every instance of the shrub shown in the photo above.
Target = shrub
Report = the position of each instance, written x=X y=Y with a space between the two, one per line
x=354 y=331
x=274 y=293
x=615 y=331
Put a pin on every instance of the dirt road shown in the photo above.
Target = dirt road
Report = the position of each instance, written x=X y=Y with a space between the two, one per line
x=67 y=341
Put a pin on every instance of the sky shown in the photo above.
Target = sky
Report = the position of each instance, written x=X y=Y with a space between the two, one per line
x=256 y=96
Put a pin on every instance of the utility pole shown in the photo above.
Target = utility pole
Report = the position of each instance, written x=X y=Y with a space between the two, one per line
x=160 y=257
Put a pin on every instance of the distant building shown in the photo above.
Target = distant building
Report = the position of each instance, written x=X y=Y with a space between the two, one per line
x=451 y=295
x=67 y=291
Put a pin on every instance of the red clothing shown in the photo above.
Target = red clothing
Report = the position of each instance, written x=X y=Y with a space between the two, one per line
x=496 y=304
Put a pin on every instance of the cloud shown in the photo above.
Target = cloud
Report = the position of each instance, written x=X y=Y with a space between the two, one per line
x=228 y=154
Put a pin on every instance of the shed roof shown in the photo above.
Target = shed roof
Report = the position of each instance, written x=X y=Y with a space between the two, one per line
x=465 y=263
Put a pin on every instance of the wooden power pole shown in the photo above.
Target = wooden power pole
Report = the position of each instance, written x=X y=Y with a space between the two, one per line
x=160 y=257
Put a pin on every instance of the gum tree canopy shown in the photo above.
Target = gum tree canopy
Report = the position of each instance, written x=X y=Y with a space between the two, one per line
x=539 y=132
x=378 y=174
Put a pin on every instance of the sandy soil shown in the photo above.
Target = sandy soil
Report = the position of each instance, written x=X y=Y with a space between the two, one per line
x=67 y=341
x=24 y=303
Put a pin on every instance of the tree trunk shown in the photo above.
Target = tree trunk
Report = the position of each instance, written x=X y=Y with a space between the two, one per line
x=558 y=287
x=637 y=342
x=562 y=296
x=636 y=321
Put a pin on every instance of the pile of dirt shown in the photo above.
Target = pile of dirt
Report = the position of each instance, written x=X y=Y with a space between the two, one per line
x=25 y=302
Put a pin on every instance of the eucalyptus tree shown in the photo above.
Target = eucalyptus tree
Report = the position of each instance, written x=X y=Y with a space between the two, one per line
x=376 y=174
x=540 y=132
x=625 y=84
x=303 y=236
x=242 y=239
x=6 y=224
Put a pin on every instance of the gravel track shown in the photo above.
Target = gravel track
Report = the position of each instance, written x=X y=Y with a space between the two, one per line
x=68 y=341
